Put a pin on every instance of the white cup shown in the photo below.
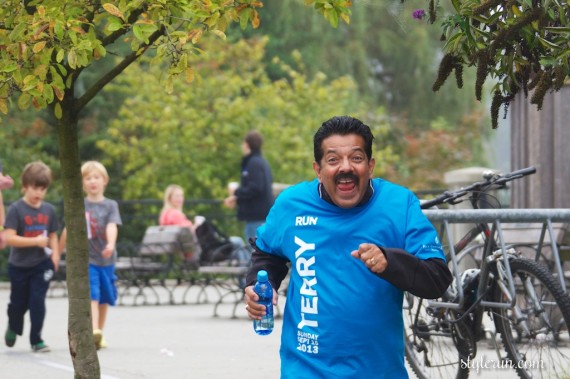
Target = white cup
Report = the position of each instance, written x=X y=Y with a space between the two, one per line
x=232 y=186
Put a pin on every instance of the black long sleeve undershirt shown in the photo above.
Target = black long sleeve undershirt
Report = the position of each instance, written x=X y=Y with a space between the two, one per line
x=427 y=278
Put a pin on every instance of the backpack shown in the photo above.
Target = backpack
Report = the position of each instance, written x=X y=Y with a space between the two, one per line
x=216 y=246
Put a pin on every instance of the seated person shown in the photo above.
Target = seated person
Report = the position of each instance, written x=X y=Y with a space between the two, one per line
x=172 y=214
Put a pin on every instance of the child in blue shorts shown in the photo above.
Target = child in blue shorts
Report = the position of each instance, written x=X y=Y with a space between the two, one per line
x=103 y=218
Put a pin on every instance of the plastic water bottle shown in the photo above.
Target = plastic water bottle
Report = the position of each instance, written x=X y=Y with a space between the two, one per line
x=47 y=249
x=264 y=290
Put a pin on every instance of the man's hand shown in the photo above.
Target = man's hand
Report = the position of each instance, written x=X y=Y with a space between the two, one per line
x=254 y=310
x=372 y=256
x=230 y=202
x=6 y=181
x=2 y=240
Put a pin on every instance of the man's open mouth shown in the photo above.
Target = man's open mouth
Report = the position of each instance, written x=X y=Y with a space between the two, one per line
x=346 y=182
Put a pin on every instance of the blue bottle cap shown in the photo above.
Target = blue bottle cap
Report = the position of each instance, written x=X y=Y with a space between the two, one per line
x=262 y=276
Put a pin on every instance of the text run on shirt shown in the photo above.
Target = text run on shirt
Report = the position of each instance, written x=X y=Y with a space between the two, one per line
x=307 y=342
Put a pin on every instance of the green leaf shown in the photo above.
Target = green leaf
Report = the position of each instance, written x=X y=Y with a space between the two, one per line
x=60 y=55
x=549 y=61
x=558 y=29
x=3 y=106
x=244 y=17
x=48 y=93
x=69 y=81
x=29 y=82
x=137 y=31
x=9 y=66
x=331 y=16
x=547 y=43
x=114 y=24
x=59 y=29
x=72 y=59
x=18 y=31
x=101 y=51
x=220 y=34
x=24 y=101
x=57 y=112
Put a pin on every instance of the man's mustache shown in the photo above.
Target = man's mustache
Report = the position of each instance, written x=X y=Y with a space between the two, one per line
x=348 y=176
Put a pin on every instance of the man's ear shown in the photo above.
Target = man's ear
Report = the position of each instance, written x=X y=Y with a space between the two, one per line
x=371 y=165
x=317 y=169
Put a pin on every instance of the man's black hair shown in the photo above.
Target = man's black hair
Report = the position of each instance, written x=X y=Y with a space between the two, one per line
x=342 y=125
x=254 y=140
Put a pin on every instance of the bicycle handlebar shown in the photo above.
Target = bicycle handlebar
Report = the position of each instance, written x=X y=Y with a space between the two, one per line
x=520 y=173
x=490 y=180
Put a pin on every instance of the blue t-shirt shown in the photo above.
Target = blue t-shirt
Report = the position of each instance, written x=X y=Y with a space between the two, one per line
x=340 y=319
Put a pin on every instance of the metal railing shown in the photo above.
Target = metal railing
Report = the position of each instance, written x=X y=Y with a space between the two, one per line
x=498 y=216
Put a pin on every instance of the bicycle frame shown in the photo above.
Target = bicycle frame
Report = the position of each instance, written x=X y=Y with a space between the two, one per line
x=528 y=308
x=493 y=249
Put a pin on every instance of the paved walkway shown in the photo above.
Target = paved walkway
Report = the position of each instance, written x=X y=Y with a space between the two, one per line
x=179 y=342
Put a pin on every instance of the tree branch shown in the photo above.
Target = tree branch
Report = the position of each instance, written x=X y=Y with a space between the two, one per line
x=115 y=71
x=111 y=38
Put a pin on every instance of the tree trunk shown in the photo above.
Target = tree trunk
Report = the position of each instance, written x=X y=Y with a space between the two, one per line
x=80 y=330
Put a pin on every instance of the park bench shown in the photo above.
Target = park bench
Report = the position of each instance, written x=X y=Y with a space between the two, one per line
x=228 y=283
x=158 y=265
x=158 y=269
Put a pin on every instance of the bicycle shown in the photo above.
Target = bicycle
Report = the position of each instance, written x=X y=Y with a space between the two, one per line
x=521 y=297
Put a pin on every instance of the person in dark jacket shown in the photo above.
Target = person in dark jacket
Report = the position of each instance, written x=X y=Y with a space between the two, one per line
x=254 y=195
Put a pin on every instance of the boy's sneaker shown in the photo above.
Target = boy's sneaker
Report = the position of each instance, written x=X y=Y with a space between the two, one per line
x=97 y=338
x=10 y=338
x=40 y=347
x=103 y=344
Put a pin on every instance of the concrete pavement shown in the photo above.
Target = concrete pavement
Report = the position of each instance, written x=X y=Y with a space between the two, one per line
x=178 y=341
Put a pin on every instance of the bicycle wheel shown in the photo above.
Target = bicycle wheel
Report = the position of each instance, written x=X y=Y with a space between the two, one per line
x=432 y=342
x=535 y=332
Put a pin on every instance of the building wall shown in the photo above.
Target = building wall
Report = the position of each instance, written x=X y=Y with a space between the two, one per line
x=541 y=139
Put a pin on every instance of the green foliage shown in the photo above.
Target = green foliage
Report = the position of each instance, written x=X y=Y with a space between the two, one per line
x=392 y=57
x=24 y=139
x=193 y=136
x=523 y=45
x=332 y=9
x=430 y=153
x=46 y=45
x=299 y=100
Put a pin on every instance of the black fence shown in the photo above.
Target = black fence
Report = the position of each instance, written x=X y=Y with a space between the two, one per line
x=137 y=215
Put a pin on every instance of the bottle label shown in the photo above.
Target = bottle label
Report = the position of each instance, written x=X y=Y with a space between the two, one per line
x=265 y=293
x=47 y=249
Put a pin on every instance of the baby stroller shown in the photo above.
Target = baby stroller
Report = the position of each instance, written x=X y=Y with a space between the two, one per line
x=218 y=249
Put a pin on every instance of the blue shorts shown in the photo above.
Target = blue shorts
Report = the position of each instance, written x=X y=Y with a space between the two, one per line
x=102 y=283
